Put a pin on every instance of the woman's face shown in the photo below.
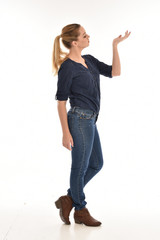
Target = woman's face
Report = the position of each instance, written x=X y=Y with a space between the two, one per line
x=83 y=39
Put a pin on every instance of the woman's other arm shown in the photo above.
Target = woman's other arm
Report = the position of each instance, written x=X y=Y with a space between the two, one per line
x=67 y=139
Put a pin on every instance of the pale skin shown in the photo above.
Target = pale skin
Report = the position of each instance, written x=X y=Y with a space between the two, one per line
x=75 y=54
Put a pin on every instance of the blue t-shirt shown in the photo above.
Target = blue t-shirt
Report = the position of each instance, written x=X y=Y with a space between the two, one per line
x=81 y=84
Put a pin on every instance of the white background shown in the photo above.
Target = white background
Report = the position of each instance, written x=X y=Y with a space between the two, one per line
x=34 y=166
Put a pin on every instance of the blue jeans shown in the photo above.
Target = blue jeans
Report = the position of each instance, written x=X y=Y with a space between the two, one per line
x=87 y=159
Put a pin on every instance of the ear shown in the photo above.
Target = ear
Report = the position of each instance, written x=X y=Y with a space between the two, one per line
x=74 y=43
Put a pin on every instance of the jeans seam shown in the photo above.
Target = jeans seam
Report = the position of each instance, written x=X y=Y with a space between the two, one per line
x=82 y=160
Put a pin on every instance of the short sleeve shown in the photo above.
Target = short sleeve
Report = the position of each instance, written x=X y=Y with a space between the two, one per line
x=104 y=69
x=64 y=81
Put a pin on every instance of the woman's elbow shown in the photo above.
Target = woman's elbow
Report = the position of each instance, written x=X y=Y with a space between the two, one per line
x=115 y=74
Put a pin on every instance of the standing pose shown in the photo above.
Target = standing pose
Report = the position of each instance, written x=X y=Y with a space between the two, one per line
x=79 y=79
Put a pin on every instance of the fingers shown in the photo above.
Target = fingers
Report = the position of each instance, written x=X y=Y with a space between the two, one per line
x=72 y=142
x=127 y=34
x=69 y=145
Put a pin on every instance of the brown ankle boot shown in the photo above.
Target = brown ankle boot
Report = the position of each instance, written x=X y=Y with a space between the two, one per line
x=64 y=203
x=83 y=216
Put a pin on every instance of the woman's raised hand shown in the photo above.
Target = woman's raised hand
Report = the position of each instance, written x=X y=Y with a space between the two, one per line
x=120 y=38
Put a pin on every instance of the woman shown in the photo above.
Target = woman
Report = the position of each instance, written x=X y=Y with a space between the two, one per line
x=78 y=79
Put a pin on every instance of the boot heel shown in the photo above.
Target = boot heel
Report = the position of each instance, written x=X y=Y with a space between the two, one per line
x=58 y=204
x=77 y=221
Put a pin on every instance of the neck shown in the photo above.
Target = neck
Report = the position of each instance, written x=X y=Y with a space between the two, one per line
x=75 y=54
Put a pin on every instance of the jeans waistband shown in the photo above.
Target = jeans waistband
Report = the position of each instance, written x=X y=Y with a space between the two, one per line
x=83 y=110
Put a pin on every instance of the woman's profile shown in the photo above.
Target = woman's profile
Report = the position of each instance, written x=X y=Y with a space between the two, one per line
x=79 y=80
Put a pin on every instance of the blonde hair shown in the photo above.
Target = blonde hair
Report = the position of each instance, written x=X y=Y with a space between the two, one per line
x=69 y=33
